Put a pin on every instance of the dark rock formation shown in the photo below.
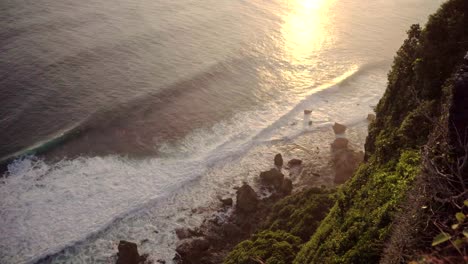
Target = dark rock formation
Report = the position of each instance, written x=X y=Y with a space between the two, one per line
x=340 y=143
x=278 y=160
x=307 y=112
x=246 y=200
x=227 y=201
x=191 y=250
x=294 y=162
x=286 y=187
x=128 y=253
x=272 y=178
x=339 y=128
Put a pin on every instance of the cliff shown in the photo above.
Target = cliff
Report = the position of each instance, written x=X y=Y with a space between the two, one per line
x=406 y=202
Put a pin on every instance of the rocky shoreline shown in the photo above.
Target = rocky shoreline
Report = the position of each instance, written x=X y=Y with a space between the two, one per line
x=237 y=218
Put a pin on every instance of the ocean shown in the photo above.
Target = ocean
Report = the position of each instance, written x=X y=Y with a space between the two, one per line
x=118 y=118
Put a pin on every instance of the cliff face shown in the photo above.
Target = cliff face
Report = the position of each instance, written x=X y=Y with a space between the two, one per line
x=414 y=179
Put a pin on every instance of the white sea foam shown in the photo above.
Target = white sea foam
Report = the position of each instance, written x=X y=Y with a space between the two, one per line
x=47 y=207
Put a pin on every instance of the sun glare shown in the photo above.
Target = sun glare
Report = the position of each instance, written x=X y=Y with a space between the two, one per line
x=306 y=28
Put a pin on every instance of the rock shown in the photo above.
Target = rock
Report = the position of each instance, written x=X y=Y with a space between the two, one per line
x=272 y=177
x=231 y=231
x=190 y=250
x=307 y=112
x=294 y=162
x=339 y=128
x=340 y=143
x=370 y=117
x=286 y=186
x=183 y=233
x=246 y=200
x=278 y=160
x=227 y=201
x=128 y=253
x=310 y=123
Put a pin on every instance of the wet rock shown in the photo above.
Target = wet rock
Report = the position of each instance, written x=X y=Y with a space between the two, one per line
x=246 y=199
x=340 y=143
x=190 y=250
x=227 y=201
x=294 y=162
x=128 y=253
x=310 y=123
x=307 y=112
x=278 y=160
x=370 y=117
x=272 y=177
x=339 y=128
x=286 y=187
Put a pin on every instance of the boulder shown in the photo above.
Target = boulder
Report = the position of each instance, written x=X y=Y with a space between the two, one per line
x=339 y=128
x=370 y=117
x=246 y=200
x=294 y=162
x=227 y=201
x=286 y=187
x=192 y=249
x=272 y=177
x=278 y=160
x=340 y=143
x=128 y=253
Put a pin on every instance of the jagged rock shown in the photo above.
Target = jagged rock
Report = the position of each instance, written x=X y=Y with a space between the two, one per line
x=307 y=112
x=227 y=201
x=286 y=187
x=246 y=200
x=128 y=253
x=370 y=117
x=272 y=177
x=340 y=143
x=339 y=128
x=278 y=160
x=294 y=162
x=190 y=250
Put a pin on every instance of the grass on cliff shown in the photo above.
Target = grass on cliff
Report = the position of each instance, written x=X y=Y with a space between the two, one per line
x=291 y=223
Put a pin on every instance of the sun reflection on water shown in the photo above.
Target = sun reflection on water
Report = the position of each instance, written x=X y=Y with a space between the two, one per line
x=307 y=29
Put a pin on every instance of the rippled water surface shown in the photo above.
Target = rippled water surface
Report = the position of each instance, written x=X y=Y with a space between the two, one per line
x=119 y=117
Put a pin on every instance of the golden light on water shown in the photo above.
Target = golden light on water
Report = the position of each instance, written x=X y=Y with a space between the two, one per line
x=306 y=29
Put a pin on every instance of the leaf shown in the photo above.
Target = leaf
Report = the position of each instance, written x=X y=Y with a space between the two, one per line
x=465 y=232
x=455 y=226
x=440 y=238
x=465 y=202
x=460 y=217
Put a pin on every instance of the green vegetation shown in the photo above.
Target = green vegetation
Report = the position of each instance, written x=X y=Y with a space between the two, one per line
x=290 y=224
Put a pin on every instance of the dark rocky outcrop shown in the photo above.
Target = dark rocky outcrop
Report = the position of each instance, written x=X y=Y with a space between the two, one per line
x=339 y=128
x=246 y=199
x=278 y=161
x=272 y=178
x=294 y=162
x=340 y=143
x=227 y=201
x=191 y=250
x=286 y=187
x=128 y=253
